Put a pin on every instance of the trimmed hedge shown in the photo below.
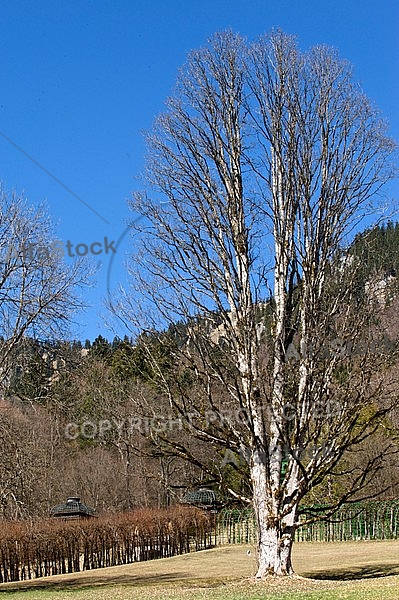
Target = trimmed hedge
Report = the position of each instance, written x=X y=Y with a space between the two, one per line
x=50 y=546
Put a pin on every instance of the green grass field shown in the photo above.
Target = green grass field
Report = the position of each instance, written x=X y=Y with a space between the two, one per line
x=327 y=571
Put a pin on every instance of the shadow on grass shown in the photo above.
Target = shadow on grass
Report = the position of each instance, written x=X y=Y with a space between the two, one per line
x=89 y=579
x=90 y=582
x=365 y=572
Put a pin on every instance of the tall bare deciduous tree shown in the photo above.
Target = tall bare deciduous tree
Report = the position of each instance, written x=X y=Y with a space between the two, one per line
x=39 y=292
x=265 y=161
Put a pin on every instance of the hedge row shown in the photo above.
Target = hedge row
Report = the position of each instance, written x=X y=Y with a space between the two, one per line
x=50 y=547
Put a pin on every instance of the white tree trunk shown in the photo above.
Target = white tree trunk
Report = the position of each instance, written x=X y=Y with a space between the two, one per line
x=276 y=533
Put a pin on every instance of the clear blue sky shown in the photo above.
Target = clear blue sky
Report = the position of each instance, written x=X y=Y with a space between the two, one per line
x=80 y=80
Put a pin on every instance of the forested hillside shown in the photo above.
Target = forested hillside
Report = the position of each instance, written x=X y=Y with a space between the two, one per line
x=92 y=419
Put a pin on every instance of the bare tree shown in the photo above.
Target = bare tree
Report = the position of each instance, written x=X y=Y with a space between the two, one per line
x=264 y=163
x=38 y=290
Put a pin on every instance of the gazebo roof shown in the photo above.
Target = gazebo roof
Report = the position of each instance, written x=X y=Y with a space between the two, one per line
x=202 y=497
x=73 y=507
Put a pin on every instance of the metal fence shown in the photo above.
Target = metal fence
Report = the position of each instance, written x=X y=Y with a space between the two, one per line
x=236 y=527
x=360 y=521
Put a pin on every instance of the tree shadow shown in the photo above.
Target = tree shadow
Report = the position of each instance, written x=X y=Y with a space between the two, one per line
x=364 y=572
x=91 y=581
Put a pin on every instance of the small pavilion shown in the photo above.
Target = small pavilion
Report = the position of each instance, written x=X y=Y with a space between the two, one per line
x=203 y=498
x=73 y=508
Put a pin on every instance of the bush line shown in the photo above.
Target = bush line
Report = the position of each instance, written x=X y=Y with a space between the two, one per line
x=50 y=546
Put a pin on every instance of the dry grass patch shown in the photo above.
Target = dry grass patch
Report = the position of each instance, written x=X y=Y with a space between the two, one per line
x=225 y=573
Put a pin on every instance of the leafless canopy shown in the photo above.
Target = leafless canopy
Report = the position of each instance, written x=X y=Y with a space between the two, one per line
x=264 y=163
x=38 y=291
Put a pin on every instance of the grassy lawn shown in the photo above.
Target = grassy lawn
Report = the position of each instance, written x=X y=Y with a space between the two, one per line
x=350 y=571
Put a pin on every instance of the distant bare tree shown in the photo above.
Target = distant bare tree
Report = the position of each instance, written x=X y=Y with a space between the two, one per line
x=38 y=290
x=263 y=165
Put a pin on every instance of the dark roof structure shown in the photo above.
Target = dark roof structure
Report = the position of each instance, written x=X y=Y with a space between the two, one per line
x=203 y=498
x=73 y=508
